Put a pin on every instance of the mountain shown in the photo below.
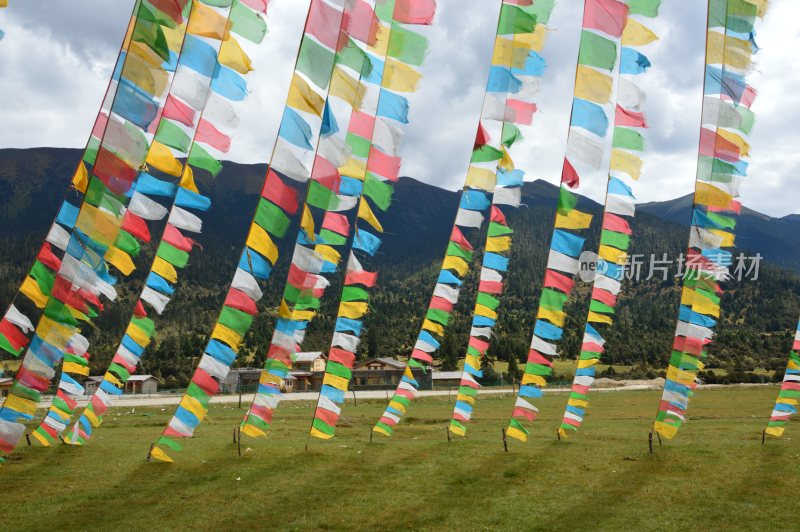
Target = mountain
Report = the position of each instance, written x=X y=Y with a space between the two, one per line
x=777 y=239
x=755 y=330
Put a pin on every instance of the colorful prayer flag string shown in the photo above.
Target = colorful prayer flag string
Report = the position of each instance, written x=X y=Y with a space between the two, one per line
x=598 y=60
x=786 y=404
x=722 y=164
x=291 y=173
x=97 y=240
x=375 y=135
x=516 y=65
x=618 y=213
x=182 y=127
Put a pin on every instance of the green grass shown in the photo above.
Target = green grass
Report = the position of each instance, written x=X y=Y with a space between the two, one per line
x=714 y=474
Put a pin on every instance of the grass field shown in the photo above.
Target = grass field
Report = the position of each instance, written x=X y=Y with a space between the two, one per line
x=714 y=475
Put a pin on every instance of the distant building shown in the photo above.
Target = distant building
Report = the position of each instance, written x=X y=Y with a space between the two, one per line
x=306 y=375
x=137 y=384
x=384 y=373
x=446 y=379
x=5 y=385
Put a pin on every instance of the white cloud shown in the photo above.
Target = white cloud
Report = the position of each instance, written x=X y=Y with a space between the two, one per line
x=57 y=58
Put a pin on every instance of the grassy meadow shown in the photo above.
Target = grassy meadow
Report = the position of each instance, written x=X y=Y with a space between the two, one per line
x=715 y=474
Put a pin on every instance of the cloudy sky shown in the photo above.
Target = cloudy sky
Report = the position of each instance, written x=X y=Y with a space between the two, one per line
x=57 y=57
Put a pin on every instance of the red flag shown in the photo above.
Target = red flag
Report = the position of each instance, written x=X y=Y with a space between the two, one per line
x=336 y=222
x=324 y=23
x=139 y=311
x=604 y=296
x=115 y=173
x=383 y=165
x=713 y=145
x=100 y=125
x=345 y=358
x=174 y=237
x=523 y=111
x=136 y=226
x=327 y=416
x=417 y=11
x=47 y=257
x=498 y=216
x=279 y=193
x=325 y=173
x=569 y=176
x=421 y=355
x=490 y=287
x=457 y=237
x=178 y=111
x=627 y=118
x=553 y=279
x=207 y=133
x=362 y=24
x=14 y=336
x=482 y=138
x=608 y=16
x=365 y=278
x=612 y=222
x=205 y=382
x=362 y=124
x=440 y=303
x=240 y=301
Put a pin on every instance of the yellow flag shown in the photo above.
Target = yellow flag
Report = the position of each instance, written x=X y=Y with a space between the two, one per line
x=665 y=429
x=398 y=406
x=705 y=306
x=592 y=85
x=596 y=317
x=506 y=163
x=366 y=214
x=307 y=223
x=328 y=253
x=574 y=219
x=637 y=34
x=151 y=79
x=775 y=431
x=433 y=327
x=498 y=243
x=284 y=311
x=206 y=22
x=509 y=53
x=381 y=46
x=708 y=194
x=380 y=430
x=53 y=332
x=623 y=161
x=456 y=264
x=319 y=434
x=353 y=309
x=121 y=260
x=736 y=53
x=138 y=335
x=99 y=223
x=532 y=41
x=31 y=290
x=303 y=98
x=165 y=270
x=347 y=88
x=735 y=139
x=187 y=179
x=146 y=53
x=92 y=417
x=20 y=404
x=194 y=406
x=161 y=157
x=252 y=431
x=81 y=178
x=458 y=431
x=537 y=380
x=481 y=178
x=612 y=254
x=75 y=369
x=513 y=432
x=157 y=453
x=340 y=383
x=400 y=77
x=232 y=56
x=465 y=398
x=303 y=315
x=482 y=310
x=174 y=36
x=259 y=240
x=41 y=439
x=229 y=336
x=110 y=377
x=556 y=317
x=354 y=168
x=728 y=239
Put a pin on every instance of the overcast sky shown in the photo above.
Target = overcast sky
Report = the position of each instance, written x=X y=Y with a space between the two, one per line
x=57 y=56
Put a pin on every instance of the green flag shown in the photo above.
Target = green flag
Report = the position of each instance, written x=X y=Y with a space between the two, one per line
x=497 y=229
x=235 y=320
x=407 y=46
x=488 y=301
x=354 y=293
x=173 y=255
x=629 y=139
x=378 y=191
x=247 y=23
x=272 y=219
x=597 y=51
x=127 y=243
x=173 y=136
x=200 y=158
x=486 y=154
x=316 y=62
x=617 y=240
x=553 y=299
x=320 y=196
x=439 y=316
x=515 y=20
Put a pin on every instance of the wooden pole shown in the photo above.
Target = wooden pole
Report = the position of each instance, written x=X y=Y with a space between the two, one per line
x=447 y=431
x=239 y=439
x=764 y=437
x=650 y=441
x=505 y=440
x=150 y=452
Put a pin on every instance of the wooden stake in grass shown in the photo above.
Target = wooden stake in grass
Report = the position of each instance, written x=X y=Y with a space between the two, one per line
x=447 y=431
x=764 y=437
x=505 y=440
x=239 y=439
x=150 y=453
